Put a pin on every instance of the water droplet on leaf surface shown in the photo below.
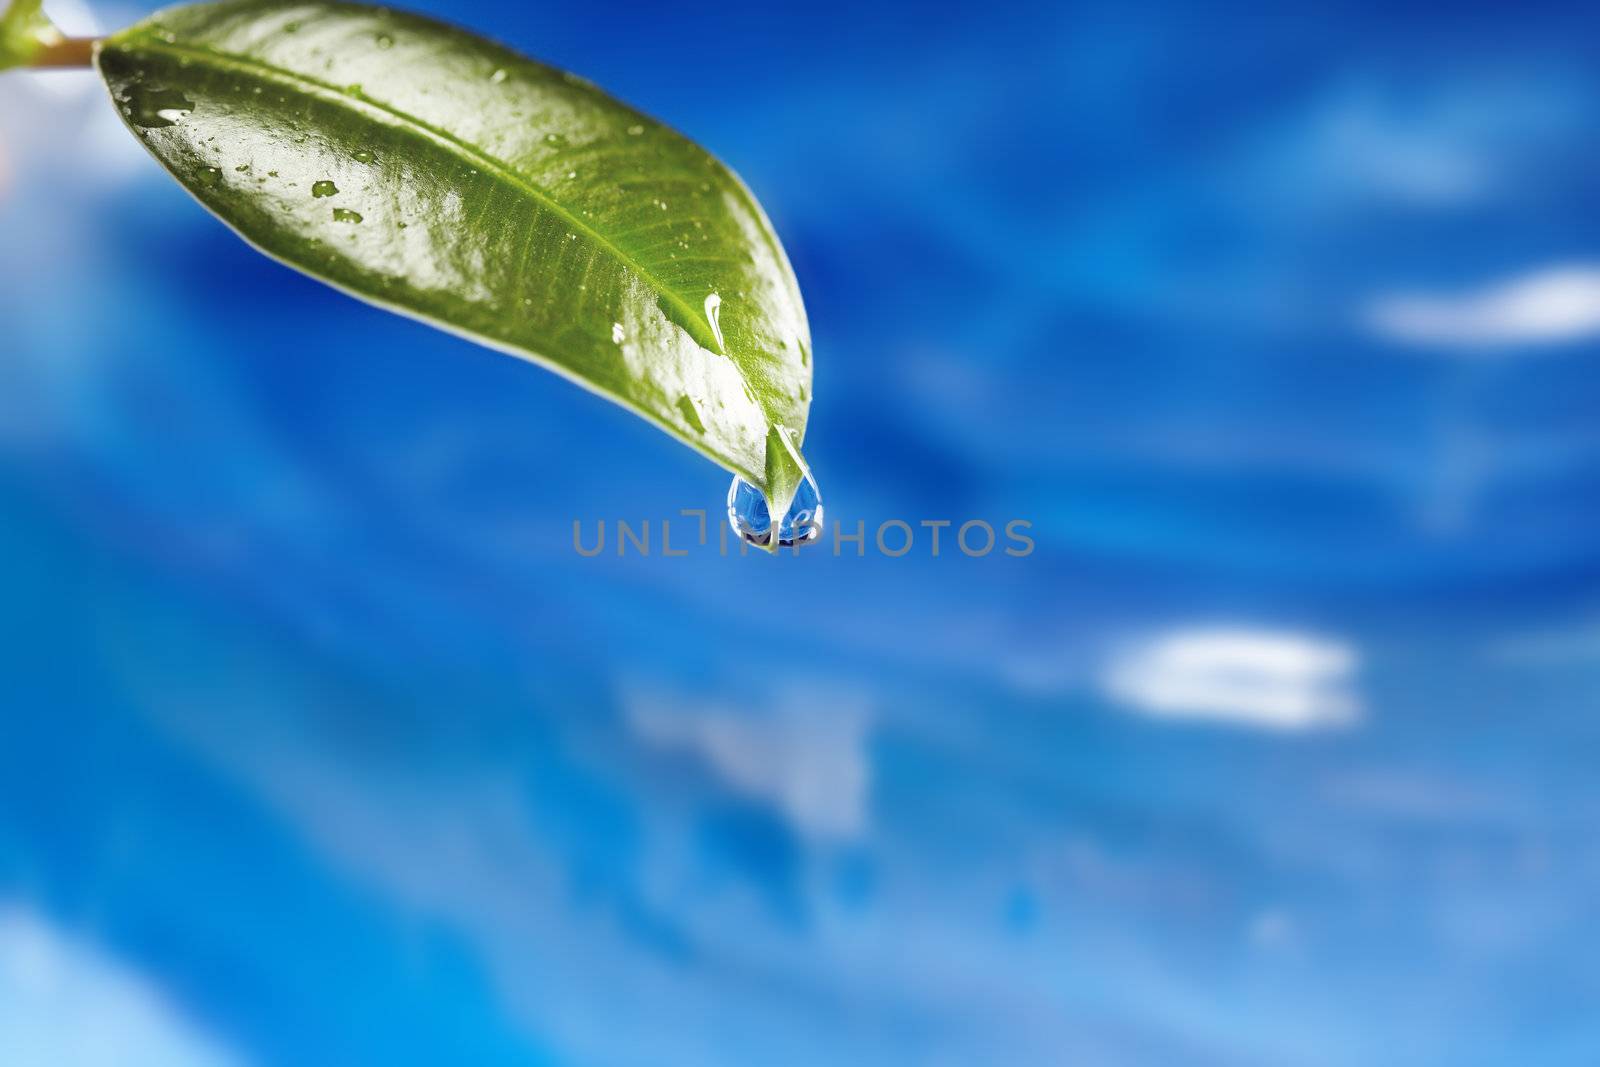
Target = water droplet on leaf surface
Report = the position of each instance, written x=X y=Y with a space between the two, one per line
x=343 y=214
x=324 y=188
x=154 y=108
x=747 y=514
x=714 y=317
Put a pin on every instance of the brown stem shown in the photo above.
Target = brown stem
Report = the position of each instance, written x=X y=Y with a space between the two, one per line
x=67 y=52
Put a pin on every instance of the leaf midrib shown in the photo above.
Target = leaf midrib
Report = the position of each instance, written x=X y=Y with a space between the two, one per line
x=499 y=168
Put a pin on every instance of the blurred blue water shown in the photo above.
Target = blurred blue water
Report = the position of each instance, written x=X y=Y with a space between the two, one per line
x=323 y=746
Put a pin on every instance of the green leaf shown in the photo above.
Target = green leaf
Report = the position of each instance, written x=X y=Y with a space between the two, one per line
x=443 y=176
x=24 y=33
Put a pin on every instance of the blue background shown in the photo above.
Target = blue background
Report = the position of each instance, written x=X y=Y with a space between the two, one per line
x=320 y=745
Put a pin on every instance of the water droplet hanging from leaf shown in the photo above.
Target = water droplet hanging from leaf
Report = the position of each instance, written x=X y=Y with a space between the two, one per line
x=750 y=519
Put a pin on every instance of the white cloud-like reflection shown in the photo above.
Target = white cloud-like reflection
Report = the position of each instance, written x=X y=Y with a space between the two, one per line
x=811 y=766
x=1549 y=306
x=63 y=1003
x=1262 y=678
